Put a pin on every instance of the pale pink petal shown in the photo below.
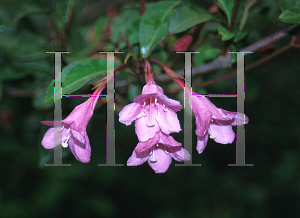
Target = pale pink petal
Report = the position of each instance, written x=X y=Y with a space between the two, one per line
x=146 y=127
x=143 y=146
x=48 y=123
x=152 y=88
x=80 y=137
x=170 y=103
x=224 y=134
x=179 y=153
x=202 y=123
x=201 y=143
x=129 y=113
x=167 y=120
x=168 y=140
x=144 y=97
x=163 y=160
x=81 y=152
x=138 y=158
x=48 y=139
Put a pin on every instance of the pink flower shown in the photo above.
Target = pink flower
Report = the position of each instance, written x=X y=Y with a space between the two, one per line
x=155 y=118
x=214 y=121
x=159 y=152
x=74 y=129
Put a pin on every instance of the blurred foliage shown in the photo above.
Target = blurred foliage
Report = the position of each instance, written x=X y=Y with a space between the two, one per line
x=29 y=29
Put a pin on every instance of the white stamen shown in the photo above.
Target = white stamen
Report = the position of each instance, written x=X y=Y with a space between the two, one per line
x=150 y=123
x=211 y=134
x=153 y=159
x=65 y=143
x=164 y=107
x=155 y=101
x=61 y=129
x=144 y=113
x=166 y=150
x=144 y=104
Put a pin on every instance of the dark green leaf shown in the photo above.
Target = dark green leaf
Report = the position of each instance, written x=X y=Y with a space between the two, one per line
x=226 y=35
x=154 y=25
x=291 y=15
x=133 y=91
x=207 y=53
x=26 y=8
x=186 y=16
x=1 y=89
x=75 y=75
x=226 y=6
x=287 y=4
x=239 y=36
x=125 y=27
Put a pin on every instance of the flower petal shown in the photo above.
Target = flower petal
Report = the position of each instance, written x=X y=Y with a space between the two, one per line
x=146 y=127
x=170 y=103
x=138 y=158
x=141 y=98
x=80 y=137
x=129 y=113
x=167 y=120
x=143 y=146
x=202 y=123
x=224 y=133
x=201 y=143
x=48 y=141
x=179 y=153
x=163 y=160
x=48 y=123
x=168 y=140
x=81 y=152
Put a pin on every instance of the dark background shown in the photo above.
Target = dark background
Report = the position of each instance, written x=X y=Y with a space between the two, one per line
x=270 y=188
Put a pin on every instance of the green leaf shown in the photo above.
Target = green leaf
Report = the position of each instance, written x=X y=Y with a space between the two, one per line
x=126 y=26
x=291 y=15
x=239 y=36
x=207 y=53
x=226 y=6
x=75 y=75
x=133 y=91
x=226 y=35
x=26 y=8
x=287 y=4
x=154 y=25
x=186 y=16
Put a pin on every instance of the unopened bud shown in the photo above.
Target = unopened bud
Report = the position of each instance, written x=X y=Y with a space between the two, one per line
x=183 y=43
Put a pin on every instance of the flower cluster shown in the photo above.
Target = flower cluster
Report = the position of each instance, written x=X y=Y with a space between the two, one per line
x=155 y=118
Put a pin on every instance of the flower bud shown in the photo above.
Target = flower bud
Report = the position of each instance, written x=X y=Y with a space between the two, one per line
x=183 y=43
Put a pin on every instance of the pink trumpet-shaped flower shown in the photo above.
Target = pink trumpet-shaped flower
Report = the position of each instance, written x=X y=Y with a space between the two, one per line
x=155 y=118
x=73 y=129
x=213 y=121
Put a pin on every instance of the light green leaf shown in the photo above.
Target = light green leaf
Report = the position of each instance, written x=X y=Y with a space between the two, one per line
x=154 y=25
x=291 y=15
x=75 y=75
x=287 y=4
x=226 y=35
x=186 y=16
x=126 y=26
x=226 y=6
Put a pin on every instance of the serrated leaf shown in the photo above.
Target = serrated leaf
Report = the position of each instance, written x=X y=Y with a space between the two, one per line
x=291 y=15
x=154 y=25
x=226 y=6
x=287 y=4
x=75 y=75
x=186 y=16
x=226 y=35
x=126 y=26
